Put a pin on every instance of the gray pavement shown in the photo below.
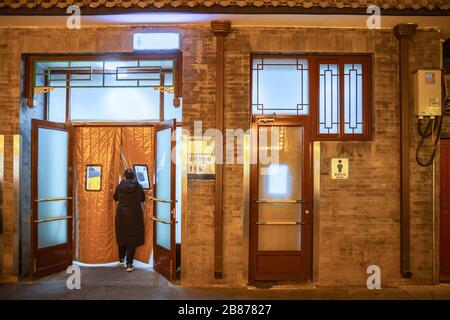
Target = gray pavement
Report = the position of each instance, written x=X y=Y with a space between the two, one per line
x=144 y=283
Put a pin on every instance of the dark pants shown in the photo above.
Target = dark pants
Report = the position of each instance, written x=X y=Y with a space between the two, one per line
x=129 y=251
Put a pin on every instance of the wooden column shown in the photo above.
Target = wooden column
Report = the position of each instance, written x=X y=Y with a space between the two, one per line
x=404 y=32
x=220 y=29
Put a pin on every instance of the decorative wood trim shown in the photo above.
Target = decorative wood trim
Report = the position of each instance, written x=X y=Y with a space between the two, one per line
x=220 y=29
x=404 y=32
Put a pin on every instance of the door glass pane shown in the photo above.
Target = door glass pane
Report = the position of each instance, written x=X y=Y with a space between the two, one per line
x=280 y=179
x=163 y=184
x=52 y=183
x=52 y=233
x=279 y=238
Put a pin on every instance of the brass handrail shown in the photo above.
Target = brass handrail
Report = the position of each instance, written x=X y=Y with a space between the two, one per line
x=52 y=199
x=280 y=201
x=53 y=219
x=160 y=220
x=281 y=223
x=161 y=200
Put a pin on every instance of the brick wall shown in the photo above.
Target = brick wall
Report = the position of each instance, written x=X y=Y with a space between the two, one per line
x=353 y=233
x=423 y=56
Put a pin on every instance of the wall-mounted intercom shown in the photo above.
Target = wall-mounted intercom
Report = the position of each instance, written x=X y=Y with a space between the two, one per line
x=427 y=88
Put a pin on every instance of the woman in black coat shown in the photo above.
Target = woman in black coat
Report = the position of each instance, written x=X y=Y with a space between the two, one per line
x=129 y=217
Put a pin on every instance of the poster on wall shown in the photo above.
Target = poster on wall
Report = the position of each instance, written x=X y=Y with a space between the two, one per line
x=142 y=175
x=93 y=177
x=201 y=158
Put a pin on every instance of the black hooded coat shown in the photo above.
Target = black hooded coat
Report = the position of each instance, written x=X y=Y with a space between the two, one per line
x=129 y=218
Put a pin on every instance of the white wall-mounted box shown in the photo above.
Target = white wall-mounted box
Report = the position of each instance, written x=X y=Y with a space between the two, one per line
x=427 y=88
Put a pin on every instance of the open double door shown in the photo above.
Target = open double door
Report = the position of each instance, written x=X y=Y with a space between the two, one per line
x=52 y=218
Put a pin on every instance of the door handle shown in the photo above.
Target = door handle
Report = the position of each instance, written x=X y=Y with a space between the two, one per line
x=53 y=219
x=161 y=200
x=162 y=221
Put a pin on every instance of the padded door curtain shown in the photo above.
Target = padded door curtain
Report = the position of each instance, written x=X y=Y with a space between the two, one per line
x=115 y=149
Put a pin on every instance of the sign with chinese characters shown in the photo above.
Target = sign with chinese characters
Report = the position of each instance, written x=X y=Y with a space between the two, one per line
x=201 y=158
x=339 y=168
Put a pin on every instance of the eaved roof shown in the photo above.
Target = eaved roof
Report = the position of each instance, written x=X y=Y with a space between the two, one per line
x=192 y=4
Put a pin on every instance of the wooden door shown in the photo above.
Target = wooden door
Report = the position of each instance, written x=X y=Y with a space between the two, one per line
x=281 y=201
x=51 y=196
x=164 y=245
x=444 y=272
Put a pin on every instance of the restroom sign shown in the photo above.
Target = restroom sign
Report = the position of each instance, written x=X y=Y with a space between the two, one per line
x=339 y=168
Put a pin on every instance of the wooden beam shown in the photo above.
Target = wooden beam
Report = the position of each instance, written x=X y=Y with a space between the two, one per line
x=220 y=29
x=404 y=32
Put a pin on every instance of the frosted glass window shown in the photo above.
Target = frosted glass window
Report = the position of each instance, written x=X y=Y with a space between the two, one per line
x=156 y=41
x=280 y=86
x=57 y=105
x=163 y=185
x=114 y=104
x=170 y=112
x=329 y=98
x=52 y=183
x=353 y=102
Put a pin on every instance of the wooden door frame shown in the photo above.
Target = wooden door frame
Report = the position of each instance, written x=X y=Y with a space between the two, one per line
x=307 y=187
x=94 y=124
x=36 y=124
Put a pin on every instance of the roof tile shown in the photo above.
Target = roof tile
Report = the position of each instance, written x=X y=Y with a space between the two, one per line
x=385 y=4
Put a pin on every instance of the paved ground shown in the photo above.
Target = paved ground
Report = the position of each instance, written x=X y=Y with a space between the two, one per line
x=115 y=283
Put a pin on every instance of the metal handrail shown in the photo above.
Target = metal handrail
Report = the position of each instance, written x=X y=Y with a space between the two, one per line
x=281 y=201
x=52 y=199
x=160 y=220
x=281 y=222
x=161 y=200
x=53 y=219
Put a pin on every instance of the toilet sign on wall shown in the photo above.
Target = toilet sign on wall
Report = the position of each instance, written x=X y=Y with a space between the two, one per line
x=339 y=168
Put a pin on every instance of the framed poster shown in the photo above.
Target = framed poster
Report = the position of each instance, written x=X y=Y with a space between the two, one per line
x=93 y=177
x=201 y=158
x=141 y=171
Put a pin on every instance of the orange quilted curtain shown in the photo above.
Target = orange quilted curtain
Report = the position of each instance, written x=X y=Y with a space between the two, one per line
x=115 y=149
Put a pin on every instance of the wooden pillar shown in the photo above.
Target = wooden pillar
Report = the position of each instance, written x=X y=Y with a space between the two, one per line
x=220 y=29
x=404 y=32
